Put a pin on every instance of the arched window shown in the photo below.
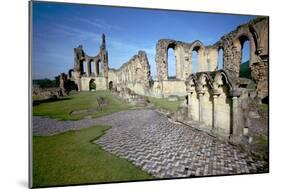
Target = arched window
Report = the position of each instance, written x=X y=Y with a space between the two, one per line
x=220 y=59
x=90 y=66
x=198 y=62
x=110 y=85
x=195 y=61
x=245 y=70
x=171 y=63
x=245 y=51
x=98 y=68
x=83 y=67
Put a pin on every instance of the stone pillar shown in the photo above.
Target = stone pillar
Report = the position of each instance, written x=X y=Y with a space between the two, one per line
x=101 y=69
x=215 y=113
x=201 y=109
x=236 y=129
x=96 y=69
x=88 y=73
x=93 y=67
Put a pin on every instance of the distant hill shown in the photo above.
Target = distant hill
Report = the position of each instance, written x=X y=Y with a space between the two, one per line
x=245 y=70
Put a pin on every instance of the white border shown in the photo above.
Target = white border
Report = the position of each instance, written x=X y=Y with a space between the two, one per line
x=14 y=92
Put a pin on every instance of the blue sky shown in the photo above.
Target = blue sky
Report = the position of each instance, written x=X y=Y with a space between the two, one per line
x=57 y=28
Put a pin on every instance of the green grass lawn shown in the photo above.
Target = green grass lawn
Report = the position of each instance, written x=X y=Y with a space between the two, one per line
x=62 y=108
x=165 y=104
x=73 y=158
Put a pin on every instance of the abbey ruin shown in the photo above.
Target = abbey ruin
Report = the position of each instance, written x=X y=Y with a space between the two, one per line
x=217 y=100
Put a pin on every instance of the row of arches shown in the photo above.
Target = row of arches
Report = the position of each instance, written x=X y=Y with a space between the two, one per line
x=209 y=101
x=197 y=51
x=197 y=56
x=243 y=47
x=91 y=67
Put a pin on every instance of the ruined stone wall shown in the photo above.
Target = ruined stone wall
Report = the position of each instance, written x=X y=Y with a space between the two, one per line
x=161 y=58
x=217 y=104
x=95 y=67
x=207 y=58
x=135 y=74
x=99 y=81
x=256 y=32
x=212 y=99
x=211 y=58
x=166 y=88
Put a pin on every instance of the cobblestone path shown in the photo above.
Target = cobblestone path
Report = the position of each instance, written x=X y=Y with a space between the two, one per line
x=160 y=147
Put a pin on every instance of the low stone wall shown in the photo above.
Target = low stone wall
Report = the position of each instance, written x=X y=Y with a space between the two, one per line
x=130 y=96
x=46 y=93
x=100 y=83
x=166 y=88
x=173 y=87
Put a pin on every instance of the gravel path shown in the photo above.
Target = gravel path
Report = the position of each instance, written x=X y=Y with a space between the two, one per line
x=158 y=146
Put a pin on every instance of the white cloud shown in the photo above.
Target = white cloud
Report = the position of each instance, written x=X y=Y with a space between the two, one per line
x=99 y=23
x=78 y=33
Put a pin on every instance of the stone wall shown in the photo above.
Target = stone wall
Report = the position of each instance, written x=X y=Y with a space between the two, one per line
x=135 y=74
x=215 y=101
x=180 y=49
x=207 y=58
x=256 y=32
x=99 y=81
x=166 y=88
x=87 y=67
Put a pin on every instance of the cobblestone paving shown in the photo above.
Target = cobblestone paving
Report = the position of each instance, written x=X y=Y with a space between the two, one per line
x=160 y=147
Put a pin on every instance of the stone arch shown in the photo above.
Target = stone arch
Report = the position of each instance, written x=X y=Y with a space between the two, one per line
x=224 y=80
x=255 y=38
x=92 y=85
x=199 y=48
x=82 y=63
x=162 y=58
x=240 y=44
x=171 y=46
x=110 y=85
x=98 y=68
x=89 y=67
x=241 y=37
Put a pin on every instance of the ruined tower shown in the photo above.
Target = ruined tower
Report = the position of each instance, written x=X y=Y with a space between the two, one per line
x=88 y=67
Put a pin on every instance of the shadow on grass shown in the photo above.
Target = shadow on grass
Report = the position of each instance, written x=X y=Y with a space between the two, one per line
x=37 y=102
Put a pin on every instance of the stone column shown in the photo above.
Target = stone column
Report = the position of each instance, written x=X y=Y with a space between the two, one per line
x=215 y=113
x=96 y=67
x=88 y=73
x=93 y=68
x=201 y=109
x=237 y=130
x=101 y=69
